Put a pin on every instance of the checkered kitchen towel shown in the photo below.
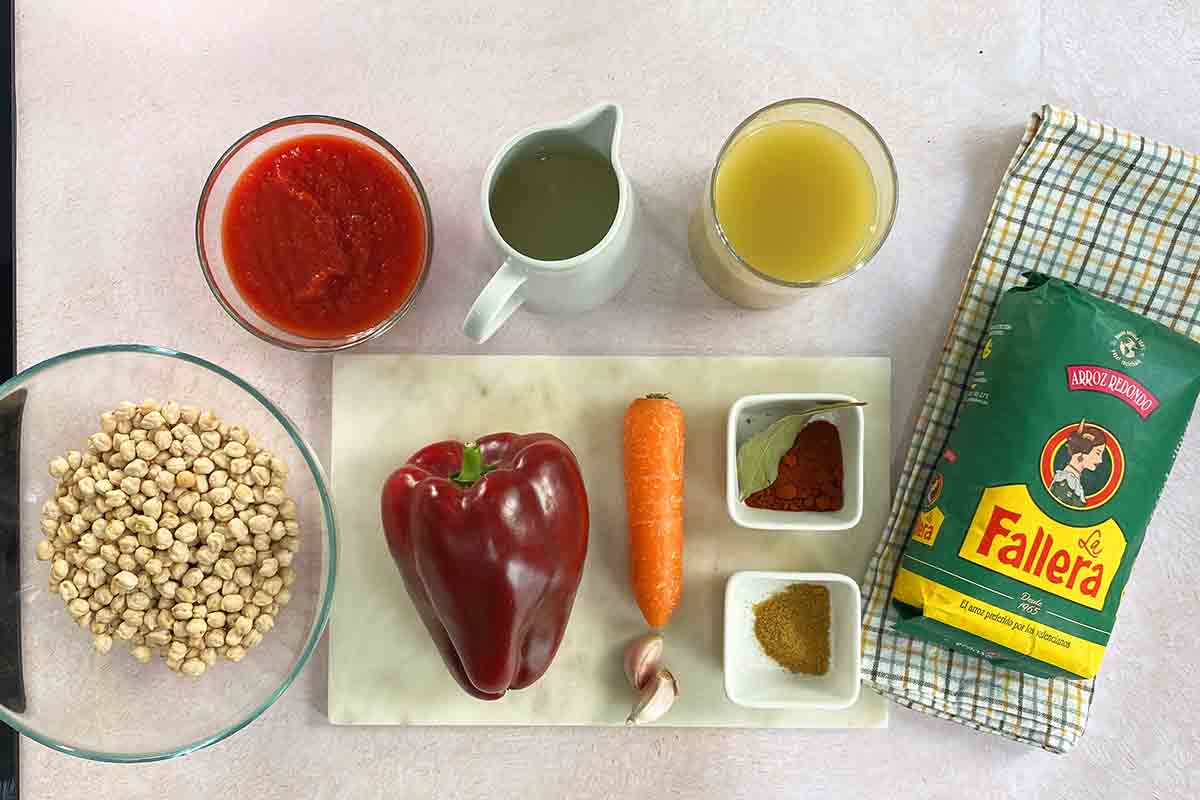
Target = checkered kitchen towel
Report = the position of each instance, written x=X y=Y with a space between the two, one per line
x=1118 y=215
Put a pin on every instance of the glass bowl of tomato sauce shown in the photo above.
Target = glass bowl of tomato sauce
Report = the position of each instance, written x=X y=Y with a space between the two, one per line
x=314 y=233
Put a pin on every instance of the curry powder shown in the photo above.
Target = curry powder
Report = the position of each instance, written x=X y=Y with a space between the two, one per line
x=792 y=626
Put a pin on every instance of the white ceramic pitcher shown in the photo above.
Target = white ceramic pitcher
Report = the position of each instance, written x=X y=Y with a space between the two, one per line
x=573 y=284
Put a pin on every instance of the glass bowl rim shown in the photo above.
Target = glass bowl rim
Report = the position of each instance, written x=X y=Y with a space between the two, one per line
x=317 y=346
x=854 y=116
x=322 y=619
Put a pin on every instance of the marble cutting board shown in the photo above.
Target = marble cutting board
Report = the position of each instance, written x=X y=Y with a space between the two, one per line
x=383 y=669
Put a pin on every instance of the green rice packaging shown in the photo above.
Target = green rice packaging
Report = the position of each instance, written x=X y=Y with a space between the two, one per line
x=1038 y=507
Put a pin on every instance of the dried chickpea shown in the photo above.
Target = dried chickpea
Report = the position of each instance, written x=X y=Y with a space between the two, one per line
x=224 y=568
x=165 y=480
x=125 y=581
x=260 y=475
x=98 y=442
x=205 y=556
x=152 y=508
x=152 y=421
x=243 y=556
x=187 y=500
x=178 y=552
x=239 y=530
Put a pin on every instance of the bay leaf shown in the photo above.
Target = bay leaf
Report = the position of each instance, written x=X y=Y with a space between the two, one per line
x=759 y=456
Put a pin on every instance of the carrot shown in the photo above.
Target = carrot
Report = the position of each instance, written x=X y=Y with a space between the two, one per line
x=653 y=441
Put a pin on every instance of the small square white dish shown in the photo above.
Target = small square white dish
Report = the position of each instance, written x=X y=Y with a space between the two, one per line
x=754 y=680
x=755 y=413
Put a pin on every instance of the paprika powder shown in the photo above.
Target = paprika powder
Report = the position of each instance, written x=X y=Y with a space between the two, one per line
x=810 y=473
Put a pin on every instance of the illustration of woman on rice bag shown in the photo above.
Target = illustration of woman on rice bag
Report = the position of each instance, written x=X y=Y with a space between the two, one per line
x=1086 y=447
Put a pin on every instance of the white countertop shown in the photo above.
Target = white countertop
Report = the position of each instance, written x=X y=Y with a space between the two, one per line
x=124 y=106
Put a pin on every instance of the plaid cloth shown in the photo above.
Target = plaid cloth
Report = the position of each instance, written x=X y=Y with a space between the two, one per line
x=1116 y=214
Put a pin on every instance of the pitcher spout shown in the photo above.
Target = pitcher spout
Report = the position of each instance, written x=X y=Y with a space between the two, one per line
x=600 y=128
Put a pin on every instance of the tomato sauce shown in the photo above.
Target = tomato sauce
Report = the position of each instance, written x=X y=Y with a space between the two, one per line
x=324 y=237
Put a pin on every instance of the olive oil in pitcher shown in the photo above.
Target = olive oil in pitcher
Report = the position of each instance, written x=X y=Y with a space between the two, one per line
x=554 y=199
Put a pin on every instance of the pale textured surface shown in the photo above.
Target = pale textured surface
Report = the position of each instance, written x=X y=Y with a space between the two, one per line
x=400 y=678
x=125 y=105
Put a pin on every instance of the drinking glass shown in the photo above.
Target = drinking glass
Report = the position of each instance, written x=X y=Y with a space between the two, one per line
x=733 y=277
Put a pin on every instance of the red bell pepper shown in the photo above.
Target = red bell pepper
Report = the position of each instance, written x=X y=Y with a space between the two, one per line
x=490 y=539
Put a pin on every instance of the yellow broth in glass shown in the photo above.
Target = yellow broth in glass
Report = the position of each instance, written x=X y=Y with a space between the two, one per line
x=803 y=193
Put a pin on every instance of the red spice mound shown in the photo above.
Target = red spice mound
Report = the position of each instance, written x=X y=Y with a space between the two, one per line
x=810 y=473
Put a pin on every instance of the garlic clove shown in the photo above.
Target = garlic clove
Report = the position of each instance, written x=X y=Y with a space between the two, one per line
x=642 y=658
x=655 y=699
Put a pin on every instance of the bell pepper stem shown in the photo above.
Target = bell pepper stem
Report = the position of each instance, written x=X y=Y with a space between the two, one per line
x=473 y=467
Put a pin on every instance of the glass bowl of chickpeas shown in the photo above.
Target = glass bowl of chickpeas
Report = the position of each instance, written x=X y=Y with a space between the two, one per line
x=168 y=553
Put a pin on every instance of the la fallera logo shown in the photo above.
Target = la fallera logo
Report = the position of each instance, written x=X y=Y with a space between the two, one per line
x=1011 y=535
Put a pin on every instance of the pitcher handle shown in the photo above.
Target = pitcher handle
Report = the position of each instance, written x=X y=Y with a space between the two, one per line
x=496 y=303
